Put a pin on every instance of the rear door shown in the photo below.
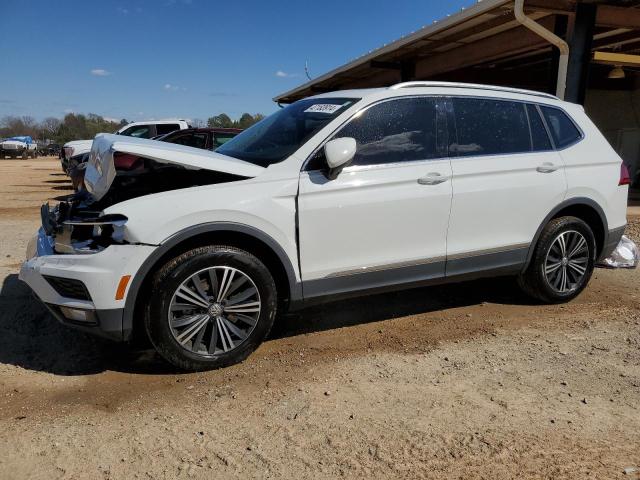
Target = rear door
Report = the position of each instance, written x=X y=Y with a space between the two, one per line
x=383 y=220
x=506 y=179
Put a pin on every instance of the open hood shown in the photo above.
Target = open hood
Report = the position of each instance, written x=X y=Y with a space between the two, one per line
x=101 y=171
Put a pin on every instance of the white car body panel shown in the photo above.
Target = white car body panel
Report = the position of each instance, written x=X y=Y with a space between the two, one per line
x=100 y=272
x=268 y=206
x=77 y=147
x=593 y=170
x=369 y=217
x=100 y=170
x=501 y=200
x=182 y=124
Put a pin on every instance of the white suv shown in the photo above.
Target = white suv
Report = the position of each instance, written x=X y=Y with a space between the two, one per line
x=344 y=193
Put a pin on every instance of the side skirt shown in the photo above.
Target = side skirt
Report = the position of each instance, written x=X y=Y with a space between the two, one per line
x=480 y=265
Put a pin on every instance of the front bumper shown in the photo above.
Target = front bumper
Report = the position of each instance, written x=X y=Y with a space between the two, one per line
x=12 y=151
x=99 y=272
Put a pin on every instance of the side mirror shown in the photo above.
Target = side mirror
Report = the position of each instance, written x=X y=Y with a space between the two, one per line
x=339 y=153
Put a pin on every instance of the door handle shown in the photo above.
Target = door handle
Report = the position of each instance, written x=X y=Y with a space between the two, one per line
x=547 y=167
x=433 y=178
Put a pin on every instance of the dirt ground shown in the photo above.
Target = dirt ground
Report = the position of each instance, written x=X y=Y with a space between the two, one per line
x=464 y=381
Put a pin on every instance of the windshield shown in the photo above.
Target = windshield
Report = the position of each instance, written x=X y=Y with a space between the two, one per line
x=279 y=135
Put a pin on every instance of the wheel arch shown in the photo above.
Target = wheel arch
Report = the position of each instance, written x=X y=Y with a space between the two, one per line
x=238 y=235
x=583 y=208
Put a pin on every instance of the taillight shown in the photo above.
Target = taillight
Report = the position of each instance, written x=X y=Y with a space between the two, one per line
x=625 y=177
x=125 y=161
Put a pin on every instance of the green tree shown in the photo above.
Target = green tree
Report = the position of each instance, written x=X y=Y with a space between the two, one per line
x=221 y=121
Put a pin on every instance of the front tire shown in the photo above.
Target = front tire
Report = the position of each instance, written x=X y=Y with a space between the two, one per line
x=210 y=307
x=562 y=262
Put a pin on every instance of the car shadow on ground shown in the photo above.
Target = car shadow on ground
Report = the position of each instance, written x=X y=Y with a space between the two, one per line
x=31 y=338
x=387 y=306
x=58 y=181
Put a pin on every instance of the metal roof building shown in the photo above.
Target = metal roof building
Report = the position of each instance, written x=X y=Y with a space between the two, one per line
x=598 y=42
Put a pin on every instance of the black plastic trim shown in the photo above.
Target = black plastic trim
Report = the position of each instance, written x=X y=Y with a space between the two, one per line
x=295 y=287
x=109 y=322
x=378 y=280
x=68 y=287
x=562 y=206
x=507 y=262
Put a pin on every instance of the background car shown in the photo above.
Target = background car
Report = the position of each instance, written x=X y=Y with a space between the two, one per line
x=203 y=138
x=150 y=129
x=20 y=146
x=206 y=138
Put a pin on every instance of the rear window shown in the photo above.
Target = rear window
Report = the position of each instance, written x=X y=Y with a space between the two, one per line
x=562 y=129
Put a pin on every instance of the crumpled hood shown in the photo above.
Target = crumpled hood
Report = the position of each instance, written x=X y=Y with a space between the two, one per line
x=101 y=171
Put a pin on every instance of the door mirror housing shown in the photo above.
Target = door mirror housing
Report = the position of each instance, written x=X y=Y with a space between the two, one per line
x=339 y=153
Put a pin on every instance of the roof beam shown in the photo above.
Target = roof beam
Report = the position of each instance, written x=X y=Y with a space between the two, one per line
x=617 y=17
x=618 y=59
x=506 y=43
x=562 y=7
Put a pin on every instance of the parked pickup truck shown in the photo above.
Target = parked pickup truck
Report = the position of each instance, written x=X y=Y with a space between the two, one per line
x=15 y=147
x=78 y=148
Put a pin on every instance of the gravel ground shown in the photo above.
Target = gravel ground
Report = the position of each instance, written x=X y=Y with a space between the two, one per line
x=463 y=381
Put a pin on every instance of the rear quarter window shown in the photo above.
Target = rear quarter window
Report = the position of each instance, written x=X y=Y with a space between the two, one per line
x=563 y=131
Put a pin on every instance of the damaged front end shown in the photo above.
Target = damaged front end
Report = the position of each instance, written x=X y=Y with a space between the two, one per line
x=123 y=168
x=71 y=227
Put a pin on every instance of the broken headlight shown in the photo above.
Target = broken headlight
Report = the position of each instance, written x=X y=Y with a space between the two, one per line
x=79 y=230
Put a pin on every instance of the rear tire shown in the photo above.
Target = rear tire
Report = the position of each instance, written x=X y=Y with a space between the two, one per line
x=210 y=307
x=562 y=262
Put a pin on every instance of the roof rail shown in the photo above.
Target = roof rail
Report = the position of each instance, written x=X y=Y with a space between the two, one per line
x=475 y=86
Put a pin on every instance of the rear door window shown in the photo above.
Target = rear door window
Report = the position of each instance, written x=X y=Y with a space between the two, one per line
x=562 y=129
x=489 y=127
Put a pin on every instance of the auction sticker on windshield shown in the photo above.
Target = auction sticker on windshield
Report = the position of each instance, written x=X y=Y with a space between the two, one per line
x=323 y=108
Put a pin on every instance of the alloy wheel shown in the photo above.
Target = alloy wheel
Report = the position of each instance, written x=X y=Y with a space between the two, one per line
x=567 y=261
x=214 y=311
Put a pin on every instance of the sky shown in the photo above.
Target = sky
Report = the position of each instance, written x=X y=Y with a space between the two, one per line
x=153 y=59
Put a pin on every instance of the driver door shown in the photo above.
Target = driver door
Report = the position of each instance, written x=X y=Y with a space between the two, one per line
x=383 y=221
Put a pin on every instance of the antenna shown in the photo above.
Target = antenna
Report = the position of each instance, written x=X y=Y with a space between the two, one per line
x=306 y=69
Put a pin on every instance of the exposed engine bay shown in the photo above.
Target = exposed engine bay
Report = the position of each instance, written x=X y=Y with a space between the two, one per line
x=78 y=226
